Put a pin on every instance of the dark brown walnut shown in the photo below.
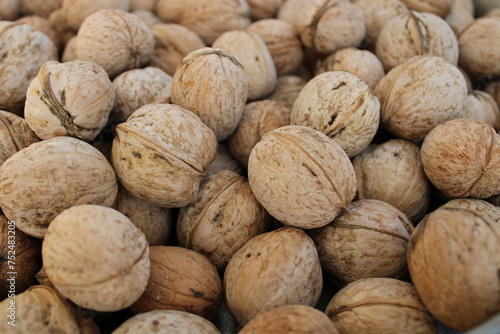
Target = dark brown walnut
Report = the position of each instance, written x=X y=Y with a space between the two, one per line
x=287 y=89
x=15 y=134
x=475 y=205
x=183 y=280
x=437 y=7
x=380 y=305
x=454 y=264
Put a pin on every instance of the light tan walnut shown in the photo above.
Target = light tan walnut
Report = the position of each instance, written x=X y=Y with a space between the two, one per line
x=15 y=134
x=10 y=9
x=290 y=10
x=69 y=51
x=41 y=8
x=287 y=89
x=148 y=5
x=264 y=9
x=147 y=17
x=476 y=205
x=42 y=24
x=437 y=7
x=482 y=107
x=460 y=16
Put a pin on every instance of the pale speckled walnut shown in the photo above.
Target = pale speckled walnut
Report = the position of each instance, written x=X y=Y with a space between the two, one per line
x=10 y=9
x=416 y=34
x=272 y=269
x=116 y=40
x=252 y=53
x=368 y=239
x=41 y=8
x=173 y=43
x=223 y=161
x=183 y=280
x=147 y=17
x=476 y=205
x=42 y=180
x=161 y=152
x=259 y=118
x=462 y=158
x=420 y=94
x=96 y=257
x=166 y=322
x=287 y=89
x=440 y=8
x=24 y=50
x=138 y=87
x=482 y=107
x=69 y=99
x=380 y=305
x=302 y=177
x=42 y=24
x=212 y=84
x=263 y=9
x=454 y=264
x=392 y=172
x=341 y=106
x=297 y=319
x=223 y=217
x=15 y=135
x=326 y=26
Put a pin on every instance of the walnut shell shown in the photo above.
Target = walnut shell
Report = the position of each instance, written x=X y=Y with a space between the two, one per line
x=147 y=17
x=420 y=94
x=223 y=217
x=212 y=84
x=301 y=165
x=265 y=273
x=69 y=50
x=116 y=40
x=459 y=18
x=42 y=180
x=223 y=161
x=459 y=283
x=462 y=158
x=437 y=7
x=379 y=305
x=482 y=107
x=163 y=139
x=138 y=87
x=42 y=24
x=146 y=5
x=290 y=10
x=41 y=8
x=96 y=257
x=10 y=9
x=69 y=99
x=287 y=89
x=263 y=9
x=476 y=205
x=182 y=280
x=493 y=88
x=340 y=105
x=15 y=135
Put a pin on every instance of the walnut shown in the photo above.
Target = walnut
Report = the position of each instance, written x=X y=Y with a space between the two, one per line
x=482 y=107
x=290 y=10
x=493 y=88
x=42 y=24
x=10 y=9
x=437 y=7
x=476 y=205
x=15 y=135
x=287 y=89
x=41 y=8
x=263 y=9
x=460 y=15
x=146 y=5
x=147 y=17
x=69 y=50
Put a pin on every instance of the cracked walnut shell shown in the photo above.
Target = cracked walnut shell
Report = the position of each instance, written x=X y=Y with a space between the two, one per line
x=15 y=135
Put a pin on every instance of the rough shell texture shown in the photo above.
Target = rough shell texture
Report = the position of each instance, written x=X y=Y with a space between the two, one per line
x=69 y=99
x=252 y=53
x=437 y=7
x=93 y=236
x=263 y=9
x=380 y=305
x=287 y=89
x=223 y=217
x=299 y=165
x=482 y=107
x=420 y=94
x=462 y=158
x=368 y=239
x=42 y=24
x=163 y=139
x=166 y=322
x=259 y=118
x=326 y=26
x=41 y=8
x=182 y=280
x=116 y=40
x=272 y=269
x=416 y=34
x=15 y=135
x=223 y=161
x=459 y=283
x=75 y=12
x=212 y=84
x=392 y=172
x=23 y=51
x=138 y=87
x=297 y=319
x=42 y=180
x=340 y=105
x=476 y=205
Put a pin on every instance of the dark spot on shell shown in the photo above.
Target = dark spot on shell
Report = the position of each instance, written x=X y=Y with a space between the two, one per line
x=137 y=155
x=196 y=293
x=156 y=323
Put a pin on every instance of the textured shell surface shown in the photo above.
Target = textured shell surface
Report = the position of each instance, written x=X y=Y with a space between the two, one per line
x=15 y=134
x=437 y=7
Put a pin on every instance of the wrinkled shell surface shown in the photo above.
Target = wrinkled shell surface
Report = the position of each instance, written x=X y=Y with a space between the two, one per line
x=437 y=7
x=75 y=12
x=263 y=9
x=482 y=107
x=15 y=135
x=287 y=89
x=476 y=205
x=42 y=24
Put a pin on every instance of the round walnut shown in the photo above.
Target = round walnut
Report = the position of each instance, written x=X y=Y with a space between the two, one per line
x=326 y=26
x=259 y=118
x=10 y=10
x=138 y=87
x=116 y=40
x=459 y=283
x=223 y=217
x=223 y=161
x=212 y=84
x=380 y=305
x=420 y=94
x=23 y=51
x=69 y=99
x=482 y=107
x=290 y=10
x=265 y=273
x=166 y=322
x=93 y=236
x=173 y=43
x=42 y=180
x=252 y=53
x=15 y=135
x=437 y=7
x=41 y=8
x=42 y=24
x=282 y=41
x=147 y=17
x=362 y=63
x=182 y=280
x=392 y=172
x=341 y=106
x=263 y=9
x=297 y=319
x=163 y=139
x=416 y=34
x=299 y=165
x=476 y=205
x=287 y=89
x=459 y=16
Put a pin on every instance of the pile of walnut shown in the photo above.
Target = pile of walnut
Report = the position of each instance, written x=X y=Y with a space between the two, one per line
x=309 y=166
